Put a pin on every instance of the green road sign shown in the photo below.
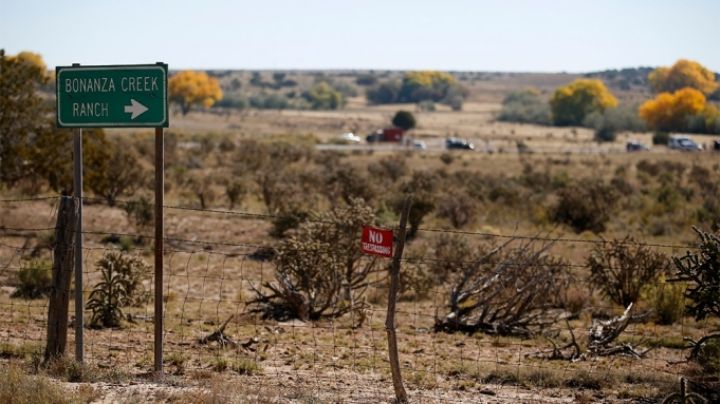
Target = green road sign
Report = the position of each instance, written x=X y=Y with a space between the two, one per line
x=112 y=96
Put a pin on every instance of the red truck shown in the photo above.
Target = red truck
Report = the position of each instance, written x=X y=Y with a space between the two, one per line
x=386 y=135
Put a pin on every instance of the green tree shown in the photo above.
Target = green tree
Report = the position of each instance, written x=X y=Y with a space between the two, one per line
x=123 y=173
x=324 y=96
x=570 y=104
x=50 y=158
x=23 y=113
x=404 y=120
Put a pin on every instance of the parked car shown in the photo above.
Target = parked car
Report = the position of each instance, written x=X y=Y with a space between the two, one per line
x=386 y=135
x=635 y=146
x=458 y=144
x=716 y=145
x=681 y=142
x=349 y=137
x=419 y=145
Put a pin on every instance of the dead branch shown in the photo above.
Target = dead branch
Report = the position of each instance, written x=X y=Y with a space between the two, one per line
x=695 y=346
x=600 y=340
x=507 y=292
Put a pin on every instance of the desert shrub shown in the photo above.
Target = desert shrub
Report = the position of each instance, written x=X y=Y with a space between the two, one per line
x=416 y=281
x=345 y=182
x=660 y=138
x=383 y=93
x=452 y=254
x=574 y=299
x=621 y=268
x=235 y=190
x=426 y=106
x=140 y=212
x=701 y=270
x=709 y=356
x=202 y=188
x=323 y=96
x=121 y=285
x=34 y=279
x=503 y=190
x=447 y=158
x=269 y=101
x=458 y=208
x=392 y=167
x=585 y=205
x=366 y=80
x=282 y=189
x=610 y=121
x=286 y=221
x=525 y=107
x=422 y=186
x=667 y=300
x=230 y=101
x=671 y=169
x=319 y=270
x=510 y=290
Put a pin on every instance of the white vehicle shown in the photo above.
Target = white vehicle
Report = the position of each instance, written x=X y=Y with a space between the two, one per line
x=349 y=137
x=682 y=142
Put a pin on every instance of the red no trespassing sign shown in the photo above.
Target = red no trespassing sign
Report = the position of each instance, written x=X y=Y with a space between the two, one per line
x=377 y=241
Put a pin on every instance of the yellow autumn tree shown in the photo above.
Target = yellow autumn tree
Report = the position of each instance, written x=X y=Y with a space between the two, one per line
x=671 y=111
x=570 y=104
x=189 y=88
x=684 y=73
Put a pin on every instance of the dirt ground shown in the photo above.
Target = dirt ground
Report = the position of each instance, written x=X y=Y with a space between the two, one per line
x=211 y=274
x=326 y=361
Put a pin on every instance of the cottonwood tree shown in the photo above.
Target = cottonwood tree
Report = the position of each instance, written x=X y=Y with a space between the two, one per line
x=570 y=104
x=190 y=88
x=683 y=74
x=670 y=111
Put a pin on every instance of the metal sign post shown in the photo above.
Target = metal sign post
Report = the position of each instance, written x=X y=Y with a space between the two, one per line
x=116 y=97
x=78 y=194
x=159 y=236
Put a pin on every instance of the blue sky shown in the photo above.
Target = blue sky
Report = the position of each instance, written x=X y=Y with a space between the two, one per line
x=510 y=35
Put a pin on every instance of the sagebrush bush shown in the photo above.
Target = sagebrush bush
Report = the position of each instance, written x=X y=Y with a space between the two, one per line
x=140 y=212
x=459 y=208
x=585 y=205
x=525 y=107
x=622 y=267
x=34 y=279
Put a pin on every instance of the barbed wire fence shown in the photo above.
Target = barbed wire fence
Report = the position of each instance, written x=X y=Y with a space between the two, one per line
x=209 y=288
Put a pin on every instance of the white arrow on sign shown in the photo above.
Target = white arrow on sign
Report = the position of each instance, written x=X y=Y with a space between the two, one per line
x=135 y=108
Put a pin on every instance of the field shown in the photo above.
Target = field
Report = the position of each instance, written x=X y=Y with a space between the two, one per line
x=214 y=263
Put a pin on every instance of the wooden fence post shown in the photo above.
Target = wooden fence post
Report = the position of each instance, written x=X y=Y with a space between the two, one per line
x=62 y=270
x=400 y=393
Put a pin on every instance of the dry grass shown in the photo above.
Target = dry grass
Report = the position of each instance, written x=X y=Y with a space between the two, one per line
x=329 y=361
